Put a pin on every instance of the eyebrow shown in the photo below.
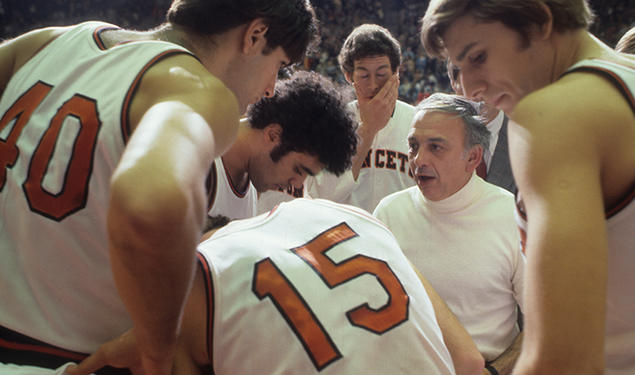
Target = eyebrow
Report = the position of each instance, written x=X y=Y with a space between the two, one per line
x=385 y=66
x=461 y=55
x=437 y=140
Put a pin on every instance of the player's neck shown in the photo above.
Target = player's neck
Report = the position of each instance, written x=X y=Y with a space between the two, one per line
x=573 y=46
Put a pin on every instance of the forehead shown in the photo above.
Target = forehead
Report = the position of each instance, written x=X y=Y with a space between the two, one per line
x=468 y=33
x=434 y=124
x=372 y=63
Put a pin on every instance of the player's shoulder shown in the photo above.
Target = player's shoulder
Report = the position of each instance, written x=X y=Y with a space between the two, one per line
x=182 y=77
x=27 y=45
x=578 y=102
x=405 y=110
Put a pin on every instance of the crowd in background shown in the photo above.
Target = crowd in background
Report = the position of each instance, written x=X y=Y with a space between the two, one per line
x=420 y=75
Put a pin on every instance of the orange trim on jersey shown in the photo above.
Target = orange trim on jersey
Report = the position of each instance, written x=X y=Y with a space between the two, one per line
x=125 y=116
x=621 y=204
x=97 y=38
x=209 y=297
x=231 y=183
x=42 y=349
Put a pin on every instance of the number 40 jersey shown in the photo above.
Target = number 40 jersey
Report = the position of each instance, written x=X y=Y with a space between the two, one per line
x=63 y=128
x=317 y=287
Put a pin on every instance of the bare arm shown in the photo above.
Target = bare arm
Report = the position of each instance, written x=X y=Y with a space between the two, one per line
x=374 y=114
x=558 y=162
x=465 y=356
x=158 y=199
x=191 y=350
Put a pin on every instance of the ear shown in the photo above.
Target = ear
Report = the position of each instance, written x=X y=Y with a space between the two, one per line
x=349 y=77
x=474 y=157
x=272 y=133
x=546 y=29
x=254 y=36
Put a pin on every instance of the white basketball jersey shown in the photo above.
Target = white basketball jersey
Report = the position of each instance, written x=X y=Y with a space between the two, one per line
x=226 y=199
x=63 y=129
x=385 y=169
x=317 y=287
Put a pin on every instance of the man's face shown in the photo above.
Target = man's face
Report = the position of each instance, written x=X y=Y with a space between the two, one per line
x=493 y=67
x=437 y=156
x=289 y=171
x=454 y=74
x=370 y=75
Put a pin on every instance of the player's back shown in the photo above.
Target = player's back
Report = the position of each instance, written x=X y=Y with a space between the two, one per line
x=317 y=287
x=63 y=130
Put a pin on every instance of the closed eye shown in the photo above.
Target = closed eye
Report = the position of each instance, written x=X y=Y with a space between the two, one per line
x=479 y=58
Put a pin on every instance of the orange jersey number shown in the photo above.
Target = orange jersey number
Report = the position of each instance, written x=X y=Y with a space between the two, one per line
x=270 y=282
x=72 y=196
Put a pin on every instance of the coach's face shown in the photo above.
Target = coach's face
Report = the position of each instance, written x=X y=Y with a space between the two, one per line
x=493 y=64
x=437 y=155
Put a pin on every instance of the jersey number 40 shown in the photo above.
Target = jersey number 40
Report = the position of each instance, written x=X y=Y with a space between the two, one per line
x=270 y=282
x=72 y=196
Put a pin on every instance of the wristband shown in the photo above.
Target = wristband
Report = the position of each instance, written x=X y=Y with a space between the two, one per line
x=491 y=369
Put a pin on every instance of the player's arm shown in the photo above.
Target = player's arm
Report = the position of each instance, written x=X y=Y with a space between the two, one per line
x=465 y=356
x=191 y=353
x=374 y=115
x=184 y=119
x=556 y=160
x=14 y=53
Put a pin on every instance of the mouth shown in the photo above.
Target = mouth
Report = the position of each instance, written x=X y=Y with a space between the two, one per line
x=424 y=179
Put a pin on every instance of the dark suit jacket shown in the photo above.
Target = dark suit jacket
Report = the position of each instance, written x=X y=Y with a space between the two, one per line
x=500 y=171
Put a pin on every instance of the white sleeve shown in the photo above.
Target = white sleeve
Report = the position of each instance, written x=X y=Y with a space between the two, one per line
x=328 y=186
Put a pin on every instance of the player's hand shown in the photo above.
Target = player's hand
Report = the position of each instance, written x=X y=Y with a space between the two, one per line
x=376 y=112
x=122 y=352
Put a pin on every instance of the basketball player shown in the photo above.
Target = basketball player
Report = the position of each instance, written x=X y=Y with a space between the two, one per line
x=572 y=137
x=109 y=128
x=370 y=58
x=312 y=287
x=304 y=128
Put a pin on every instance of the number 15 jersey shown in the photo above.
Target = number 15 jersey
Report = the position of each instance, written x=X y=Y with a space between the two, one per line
x=317 y=287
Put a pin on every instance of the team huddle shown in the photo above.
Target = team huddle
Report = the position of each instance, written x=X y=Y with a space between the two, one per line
x=146 y=227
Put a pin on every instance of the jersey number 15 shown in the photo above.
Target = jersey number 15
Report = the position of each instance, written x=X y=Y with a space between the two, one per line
x=270 y=282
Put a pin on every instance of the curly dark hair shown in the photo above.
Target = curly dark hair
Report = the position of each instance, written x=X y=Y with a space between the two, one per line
x=314 y=120
x=292 y=23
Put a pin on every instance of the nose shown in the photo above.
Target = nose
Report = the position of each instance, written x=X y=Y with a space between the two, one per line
x=420 y=159
x=373 y=85
x=270 y=89
x=472 y=86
